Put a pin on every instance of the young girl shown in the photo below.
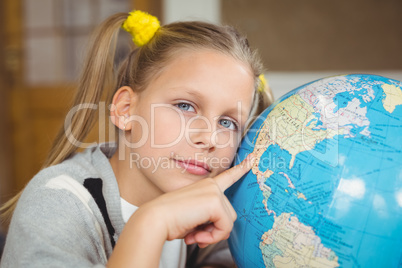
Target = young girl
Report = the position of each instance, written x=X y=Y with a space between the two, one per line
x=181 y=101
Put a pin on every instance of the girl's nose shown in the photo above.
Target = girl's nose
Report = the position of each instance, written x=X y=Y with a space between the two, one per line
x=199 y=133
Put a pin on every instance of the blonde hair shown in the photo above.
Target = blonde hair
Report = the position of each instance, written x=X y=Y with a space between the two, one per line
x=99 y=79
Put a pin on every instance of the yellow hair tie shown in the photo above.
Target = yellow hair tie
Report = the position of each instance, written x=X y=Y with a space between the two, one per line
x=142 y=26
x=263 y=83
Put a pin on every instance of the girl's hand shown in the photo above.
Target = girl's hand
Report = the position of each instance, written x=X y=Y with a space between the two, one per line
x=199 y=213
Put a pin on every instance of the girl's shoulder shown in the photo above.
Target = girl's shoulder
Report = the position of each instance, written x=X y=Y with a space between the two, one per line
x=74 y=177
x=77 y=167
x=73 y=185
x=93 y=162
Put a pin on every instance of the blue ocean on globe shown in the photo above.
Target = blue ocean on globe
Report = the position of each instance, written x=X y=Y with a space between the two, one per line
x=326 y=187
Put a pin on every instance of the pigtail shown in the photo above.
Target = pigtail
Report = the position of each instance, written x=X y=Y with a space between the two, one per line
x=265 y=99
x=262 y=99
x=97 y=77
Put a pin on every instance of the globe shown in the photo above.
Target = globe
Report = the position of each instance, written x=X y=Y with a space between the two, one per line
x=326 y=186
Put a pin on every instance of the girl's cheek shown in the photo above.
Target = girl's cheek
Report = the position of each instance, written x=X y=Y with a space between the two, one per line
x=227 y=143
x=223 y=138
x=167 y=125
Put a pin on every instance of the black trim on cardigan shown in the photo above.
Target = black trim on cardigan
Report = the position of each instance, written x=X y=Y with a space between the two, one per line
x=94 y=186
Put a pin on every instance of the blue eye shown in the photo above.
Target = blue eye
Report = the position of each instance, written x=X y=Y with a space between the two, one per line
x=226 y=123
x=185 y=107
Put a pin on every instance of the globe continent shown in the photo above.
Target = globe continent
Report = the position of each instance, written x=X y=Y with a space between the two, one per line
x=326 y=187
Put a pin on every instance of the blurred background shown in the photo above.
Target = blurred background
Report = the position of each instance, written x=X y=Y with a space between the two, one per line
x=42 y=43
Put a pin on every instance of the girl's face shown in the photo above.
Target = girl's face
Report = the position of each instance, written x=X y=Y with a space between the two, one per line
x=187 y=124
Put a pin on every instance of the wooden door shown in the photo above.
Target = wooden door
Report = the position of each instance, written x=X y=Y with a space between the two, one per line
x=6 y=183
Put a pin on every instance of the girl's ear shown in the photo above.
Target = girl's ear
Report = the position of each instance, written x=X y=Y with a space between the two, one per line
x=123 y=100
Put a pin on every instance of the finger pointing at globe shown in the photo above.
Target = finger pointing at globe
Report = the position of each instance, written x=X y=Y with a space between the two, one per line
x=230 y=176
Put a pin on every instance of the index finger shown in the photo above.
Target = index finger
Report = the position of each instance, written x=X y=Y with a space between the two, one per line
x=232 y=175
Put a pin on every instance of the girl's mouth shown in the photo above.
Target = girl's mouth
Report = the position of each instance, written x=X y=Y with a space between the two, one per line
x=194 y=167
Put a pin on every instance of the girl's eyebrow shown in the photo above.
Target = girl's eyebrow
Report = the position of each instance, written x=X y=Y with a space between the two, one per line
x=194 y=93
x=188 y=90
